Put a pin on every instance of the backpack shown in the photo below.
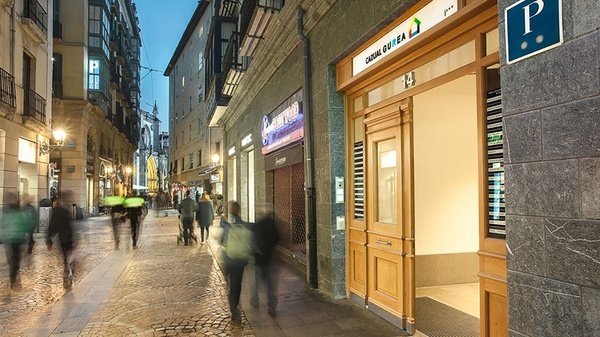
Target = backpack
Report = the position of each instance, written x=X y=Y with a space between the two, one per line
x=239 y=239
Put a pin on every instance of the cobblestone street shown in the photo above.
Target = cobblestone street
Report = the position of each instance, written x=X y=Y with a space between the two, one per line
x=41 y=275
x=165 y=289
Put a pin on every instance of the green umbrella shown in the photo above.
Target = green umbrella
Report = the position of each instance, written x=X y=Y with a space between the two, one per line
x=113 y=200
x=133 y=202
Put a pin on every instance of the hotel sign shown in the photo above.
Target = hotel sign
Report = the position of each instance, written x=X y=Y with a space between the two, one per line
x=427 y=17
x=284 y=125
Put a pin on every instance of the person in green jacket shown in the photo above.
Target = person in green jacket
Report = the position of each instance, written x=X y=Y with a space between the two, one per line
x=15 y=228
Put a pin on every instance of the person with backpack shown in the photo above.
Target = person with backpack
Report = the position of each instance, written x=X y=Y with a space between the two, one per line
x=237 y=248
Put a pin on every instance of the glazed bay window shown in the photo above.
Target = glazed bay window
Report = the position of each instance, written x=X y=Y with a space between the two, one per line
x=94 y=75
x=98 y=29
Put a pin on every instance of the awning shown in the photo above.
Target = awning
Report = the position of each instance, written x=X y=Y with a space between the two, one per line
x=209 y=170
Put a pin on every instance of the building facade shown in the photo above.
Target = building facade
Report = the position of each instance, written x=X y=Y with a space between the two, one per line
x=193 y=141
x=96 y=97
x=403 y=148
x=151 y=158
x=25 y=104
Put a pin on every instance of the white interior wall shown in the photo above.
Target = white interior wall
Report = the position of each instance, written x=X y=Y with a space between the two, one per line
x=445 y=169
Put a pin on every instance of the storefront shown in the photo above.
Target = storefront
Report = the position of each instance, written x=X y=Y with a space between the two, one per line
x=282 y=135
x=425 y=204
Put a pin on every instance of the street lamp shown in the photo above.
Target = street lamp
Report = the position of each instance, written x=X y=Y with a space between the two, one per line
x=59 y=136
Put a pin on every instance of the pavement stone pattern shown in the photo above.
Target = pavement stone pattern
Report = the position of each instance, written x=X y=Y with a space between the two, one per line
x=41 y=274
x=167 y=290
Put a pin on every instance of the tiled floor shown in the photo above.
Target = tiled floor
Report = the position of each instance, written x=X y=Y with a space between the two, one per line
x=464 y=297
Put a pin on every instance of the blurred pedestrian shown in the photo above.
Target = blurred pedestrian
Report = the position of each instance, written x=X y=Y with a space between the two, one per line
x=134 y=211
x=265 y=237
x=187 y=209
x=176 y=200
x=31 y=218
x=14 y=229
x=117 y=216
x=60 y=223
x=237 y=243
x=205 y=214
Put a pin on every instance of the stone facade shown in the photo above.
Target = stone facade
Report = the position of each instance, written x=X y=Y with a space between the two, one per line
x=25 y=101
x=551 y=103
x=551 y=123
x=192 y=141
x=334 y=28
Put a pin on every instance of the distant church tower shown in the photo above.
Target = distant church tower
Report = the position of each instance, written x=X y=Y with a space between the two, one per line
x=151 y=157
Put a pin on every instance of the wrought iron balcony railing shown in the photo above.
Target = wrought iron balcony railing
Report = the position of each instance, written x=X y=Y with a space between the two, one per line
x=35 y=107
x=7 y=88
x=34 y=11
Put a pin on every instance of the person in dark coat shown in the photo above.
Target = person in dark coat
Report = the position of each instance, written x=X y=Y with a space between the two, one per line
x=117 y=216
x=60 y=224
x=205 y=214
x=266 y=237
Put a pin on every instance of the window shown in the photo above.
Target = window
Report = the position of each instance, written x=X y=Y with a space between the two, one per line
x=182 y=111
x=200 y=92
x=200 y=62
x=94 y=74
x=98 y=29
x=191 y=160
x=200 y=30
x=182 y=164
x=190 y=103
x=199 y=158
x=182 y=81
x=190 y=134
x=190 y=72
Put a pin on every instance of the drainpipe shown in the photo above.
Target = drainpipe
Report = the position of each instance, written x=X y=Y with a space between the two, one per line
x=12 y=39
x=311 y=197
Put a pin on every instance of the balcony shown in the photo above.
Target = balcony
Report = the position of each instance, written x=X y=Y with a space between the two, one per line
x=57 y=30
x=7 y=89
x=216 y=102
x=234 y=65
x=115 y=7
x=57 y=89
x=226 y=8
x=7 y=3
x=255 y=18
x=34 y=21
x=35 y=107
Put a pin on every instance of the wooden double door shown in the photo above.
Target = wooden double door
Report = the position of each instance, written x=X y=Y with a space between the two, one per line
x=382 y=246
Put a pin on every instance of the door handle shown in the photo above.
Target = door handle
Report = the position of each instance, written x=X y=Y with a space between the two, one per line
x=389 y=243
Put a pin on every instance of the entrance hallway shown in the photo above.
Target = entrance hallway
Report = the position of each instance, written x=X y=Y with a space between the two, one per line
x=163 y=289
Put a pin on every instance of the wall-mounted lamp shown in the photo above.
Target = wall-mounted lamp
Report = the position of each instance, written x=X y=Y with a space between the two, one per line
x=59 y=137
x=215 y=158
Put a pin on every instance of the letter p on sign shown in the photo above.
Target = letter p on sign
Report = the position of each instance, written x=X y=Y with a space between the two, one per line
x=531 y=27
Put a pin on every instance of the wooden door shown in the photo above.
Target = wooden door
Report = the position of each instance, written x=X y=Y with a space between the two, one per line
x=389 y=214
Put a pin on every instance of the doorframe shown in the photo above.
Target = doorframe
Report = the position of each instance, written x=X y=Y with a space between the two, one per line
x=471 y=23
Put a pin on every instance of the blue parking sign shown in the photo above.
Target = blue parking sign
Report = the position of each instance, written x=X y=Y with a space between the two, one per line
x=531 y=27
